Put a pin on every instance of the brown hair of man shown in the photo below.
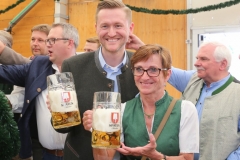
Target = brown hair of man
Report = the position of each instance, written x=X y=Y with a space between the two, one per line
x=45 y=28
x=93 y=40
x=7 y=38
x=114 y=4
x=144 y=53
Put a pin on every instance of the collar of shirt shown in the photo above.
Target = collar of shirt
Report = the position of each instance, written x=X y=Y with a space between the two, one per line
x=112 y=72
x=207 y=92
x=105 y=65
x=54 y=66
x=215 y=85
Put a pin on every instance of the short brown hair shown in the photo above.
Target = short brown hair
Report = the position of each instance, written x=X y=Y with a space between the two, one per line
x=93 y=40
x=45 y=28
x=144 y=52
x=113 y=4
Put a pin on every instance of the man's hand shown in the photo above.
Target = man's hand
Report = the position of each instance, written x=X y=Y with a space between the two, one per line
x=87 y=120
x=134 y=42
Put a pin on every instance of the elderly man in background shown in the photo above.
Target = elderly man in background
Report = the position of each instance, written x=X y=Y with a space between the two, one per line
x=215 y=92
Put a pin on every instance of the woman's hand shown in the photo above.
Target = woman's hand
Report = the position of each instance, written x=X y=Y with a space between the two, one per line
x=148 y=150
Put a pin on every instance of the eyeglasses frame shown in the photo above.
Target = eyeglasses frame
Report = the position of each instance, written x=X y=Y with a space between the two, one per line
x=146 y=70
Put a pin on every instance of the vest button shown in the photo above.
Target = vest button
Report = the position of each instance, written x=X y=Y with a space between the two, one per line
x=28 y=101
x=21 y=115
x=105 y=73
x=110 y=85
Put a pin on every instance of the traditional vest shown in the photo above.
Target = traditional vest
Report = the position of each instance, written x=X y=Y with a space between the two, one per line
x=219 y=134
x=135 y=132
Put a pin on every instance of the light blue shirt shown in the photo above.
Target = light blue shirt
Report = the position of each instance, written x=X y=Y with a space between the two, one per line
x=112 y=72
x=179 y=80
x=207 y=92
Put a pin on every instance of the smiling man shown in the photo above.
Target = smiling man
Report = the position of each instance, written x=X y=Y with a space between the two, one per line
x=107 y=69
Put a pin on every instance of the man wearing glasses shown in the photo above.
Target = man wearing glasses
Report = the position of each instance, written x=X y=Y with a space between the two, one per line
x=62 y=42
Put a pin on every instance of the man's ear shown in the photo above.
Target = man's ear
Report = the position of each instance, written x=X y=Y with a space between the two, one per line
x=131 y=27
x=70 y=42
x=224 y=64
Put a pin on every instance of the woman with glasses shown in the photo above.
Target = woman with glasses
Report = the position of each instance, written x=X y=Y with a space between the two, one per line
x=179 y=138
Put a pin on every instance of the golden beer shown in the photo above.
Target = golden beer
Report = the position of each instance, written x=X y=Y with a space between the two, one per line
x=106 y=122
x=105 y=139
x=63 y=100
x=65 y=119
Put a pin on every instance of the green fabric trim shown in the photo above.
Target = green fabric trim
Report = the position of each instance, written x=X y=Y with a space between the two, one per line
x=229 y=81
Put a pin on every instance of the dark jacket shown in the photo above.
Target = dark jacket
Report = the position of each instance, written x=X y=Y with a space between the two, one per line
x=32 y=76
x=89 y=77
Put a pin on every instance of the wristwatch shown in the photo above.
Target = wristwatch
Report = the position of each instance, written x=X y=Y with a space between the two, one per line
x=164 y=157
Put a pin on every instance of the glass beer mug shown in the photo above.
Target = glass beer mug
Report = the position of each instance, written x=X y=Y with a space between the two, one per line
x=106 y=123
x=63 y=100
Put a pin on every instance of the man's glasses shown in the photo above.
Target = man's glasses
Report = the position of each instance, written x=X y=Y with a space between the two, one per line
x=151 y=72
x=51 y=41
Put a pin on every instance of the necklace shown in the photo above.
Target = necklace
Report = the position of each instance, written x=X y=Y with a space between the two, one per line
x=149 y=116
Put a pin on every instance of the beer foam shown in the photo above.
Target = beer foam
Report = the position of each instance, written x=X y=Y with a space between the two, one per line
x=63 y=101
x=106 y=120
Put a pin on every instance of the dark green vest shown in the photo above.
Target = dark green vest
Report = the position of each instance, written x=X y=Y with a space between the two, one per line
x=135 y=132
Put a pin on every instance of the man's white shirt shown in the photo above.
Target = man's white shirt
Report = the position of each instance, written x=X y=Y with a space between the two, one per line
x=48 y=137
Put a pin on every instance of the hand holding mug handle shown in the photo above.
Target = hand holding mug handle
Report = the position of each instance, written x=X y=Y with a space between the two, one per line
x=87 y=120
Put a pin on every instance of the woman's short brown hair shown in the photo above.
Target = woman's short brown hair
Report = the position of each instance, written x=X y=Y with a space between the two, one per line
x=144 y=53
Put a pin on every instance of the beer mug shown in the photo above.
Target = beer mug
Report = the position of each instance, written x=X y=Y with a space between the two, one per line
x=63 y=100
x=106 y=123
